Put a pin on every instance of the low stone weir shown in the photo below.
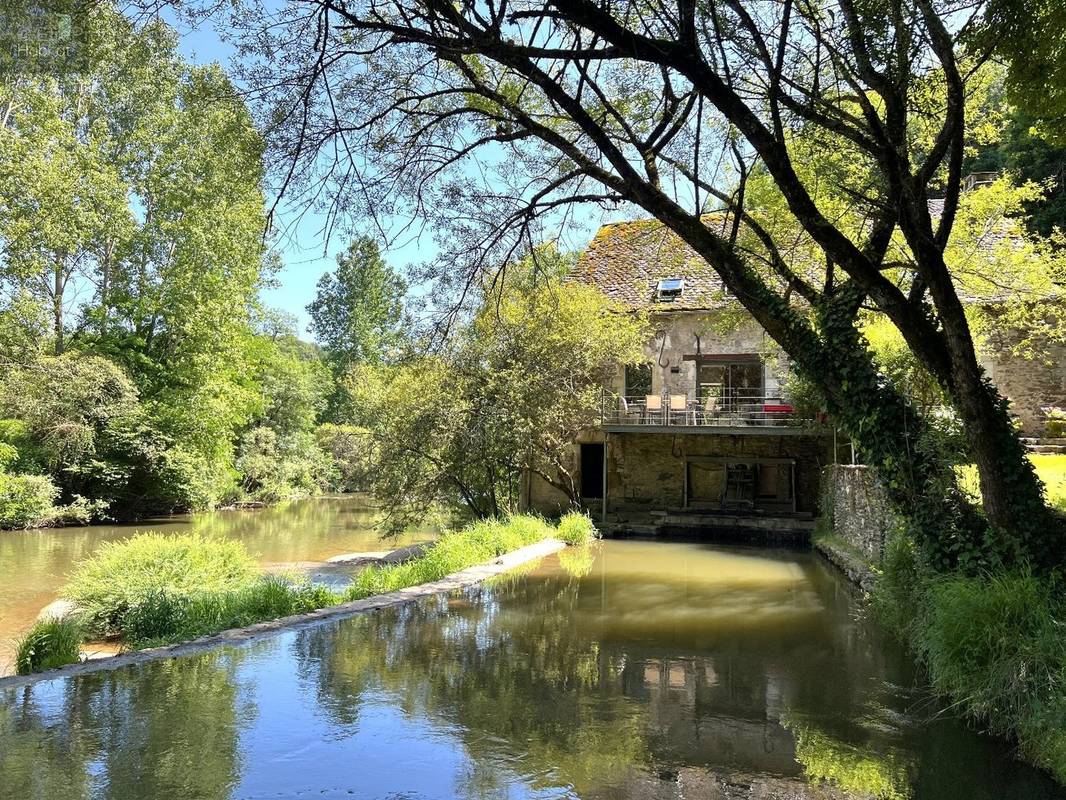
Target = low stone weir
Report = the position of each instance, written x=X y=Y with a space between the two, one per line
x=236 y=636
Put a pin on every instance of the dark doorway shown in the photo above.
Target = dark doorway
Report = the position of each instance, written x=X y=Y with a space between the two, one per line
x=592 y=471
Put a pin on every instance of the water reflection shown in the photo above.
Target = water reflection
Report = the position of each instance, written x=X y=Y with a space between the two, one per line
x=170 y=730
x=647 y=670
x=34 y=564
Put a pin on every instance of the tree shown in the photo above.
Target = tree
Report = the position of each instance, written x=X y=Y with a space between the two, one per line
x=137 y=179
x=508 y=394
x=1030 y=37
x=357 y=313
x=673 y=109
x=63 y=206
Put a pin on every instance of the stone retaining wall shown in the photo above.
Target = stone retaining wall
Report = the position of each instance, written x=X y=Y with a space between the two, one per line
x=856 y=509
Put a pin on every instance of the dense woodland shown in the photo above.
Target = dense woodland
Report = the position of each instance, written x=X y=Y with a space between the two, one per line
x=140 y=372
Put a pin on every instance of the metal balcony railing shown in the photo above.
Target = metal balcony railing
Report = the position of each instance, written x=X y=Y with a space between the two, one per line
x=729 y=408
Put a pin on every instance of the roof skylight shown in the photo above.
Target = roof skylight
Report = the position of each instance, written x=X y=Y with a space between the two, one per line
x=670 y=288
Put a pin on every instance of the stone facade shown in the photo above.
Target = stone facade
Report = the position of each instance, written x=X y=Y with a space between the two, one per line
x=857 y=509
x=680 y=336
x=1029 y=384
x=647 y=471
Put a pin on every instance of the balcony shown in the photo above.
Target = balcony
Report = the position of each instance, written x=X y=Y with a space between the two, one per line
x=733 y=411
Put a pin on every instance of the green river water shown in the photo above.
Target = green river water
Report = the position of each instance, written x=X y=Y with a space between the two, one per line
x=631 y=669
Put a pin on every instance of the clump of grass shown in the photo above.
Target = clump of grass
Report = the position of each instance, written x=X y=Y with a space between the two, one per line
x=576 y=529
x=153 y=590
x=162 y=617
x=998 y=645
x=124 y=574
x=478 y=542
x=49 y=644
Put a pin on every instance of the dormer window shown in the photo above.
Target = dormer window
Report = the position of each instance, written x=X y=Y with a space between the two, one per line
x=670 y=288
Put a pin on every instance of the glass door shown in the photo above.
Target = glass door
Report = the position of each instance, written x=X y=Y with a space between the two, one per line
x=731 y=383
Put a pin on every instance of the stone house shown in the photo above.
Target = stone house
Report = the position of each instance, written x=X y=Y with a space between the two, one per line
x=704 y=433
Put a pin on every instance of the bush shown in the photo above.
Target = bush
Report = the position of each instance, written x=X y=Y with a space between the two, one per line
x=576 y=529
x=478 y=542
x=47 y=645
x=123 y=574
x=26 y=501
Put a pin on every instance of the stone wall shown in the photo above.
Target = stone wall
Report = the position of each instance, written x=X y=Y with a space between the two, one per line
x=646 y=471
x=1030 y=385
x=856 y=508
x=676 y=337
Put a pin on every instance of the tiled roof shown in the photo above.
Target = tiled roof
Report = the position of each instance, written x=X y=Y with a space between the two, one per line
x=626 y=261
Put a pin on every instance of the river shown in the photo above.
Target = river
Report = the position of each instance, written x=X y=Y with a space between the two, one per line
x=34 y=564
x=631 y=669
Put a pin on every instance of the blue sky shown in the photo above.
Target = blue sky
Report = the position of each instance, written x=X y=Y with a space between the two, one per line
x=305 y=253
x=304 y=250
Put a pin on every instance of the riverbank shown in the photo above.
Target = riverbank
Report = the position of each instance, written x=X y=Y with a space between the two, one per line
x=35 y=564
x=990 y=640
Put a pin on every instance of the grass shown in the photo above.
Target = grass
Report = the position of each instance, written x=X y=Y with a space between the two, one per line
x=998 y=645
x=474 y=544
x=152 y=590
x=163 y=618
x=48 y=644
x=1050 y=468
x=124 y=574
x=995 y=644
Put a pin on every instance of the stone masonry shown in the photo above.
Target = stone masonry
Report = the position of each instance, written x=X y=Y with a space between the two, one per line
x=857 y=509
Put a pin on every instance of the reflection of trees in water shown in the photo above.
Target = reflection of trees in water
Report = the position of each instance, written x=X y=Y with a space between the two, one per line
x=872 y=769
x=34 y=762
x=168 y=729
x=517 y=679
x=571 y=675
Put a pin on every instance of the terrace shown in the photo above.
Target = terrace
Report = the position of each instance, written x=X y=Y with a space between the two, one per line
x=718 y=411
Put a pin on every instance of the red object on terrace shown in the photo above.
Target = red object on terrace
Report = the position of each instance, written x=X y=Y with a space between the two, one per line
x=777 y=408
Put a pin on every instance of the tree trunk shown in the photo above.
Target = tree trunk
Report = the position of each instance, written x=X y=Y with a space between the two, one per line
x=57 y=306
x=1012 y=494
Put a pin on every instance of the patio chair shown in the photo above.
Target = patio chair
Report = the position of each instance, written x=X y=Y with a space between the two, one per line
x=653 y=409
x=710 y=410
x=679 y=407
x=628 y=413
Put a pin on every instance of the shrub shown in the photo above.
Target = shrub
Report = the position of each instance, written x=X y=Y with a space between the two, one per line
x=48 y=644
x=162 y=617
x=26 y=501
x=575 y=529
x=454 y=551
x=123 y=574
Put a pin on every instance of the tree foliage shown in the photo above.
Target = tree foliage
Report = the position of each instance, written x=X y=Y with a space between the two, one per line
x=508 y=394
x=132 y=222
x=495 y=121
